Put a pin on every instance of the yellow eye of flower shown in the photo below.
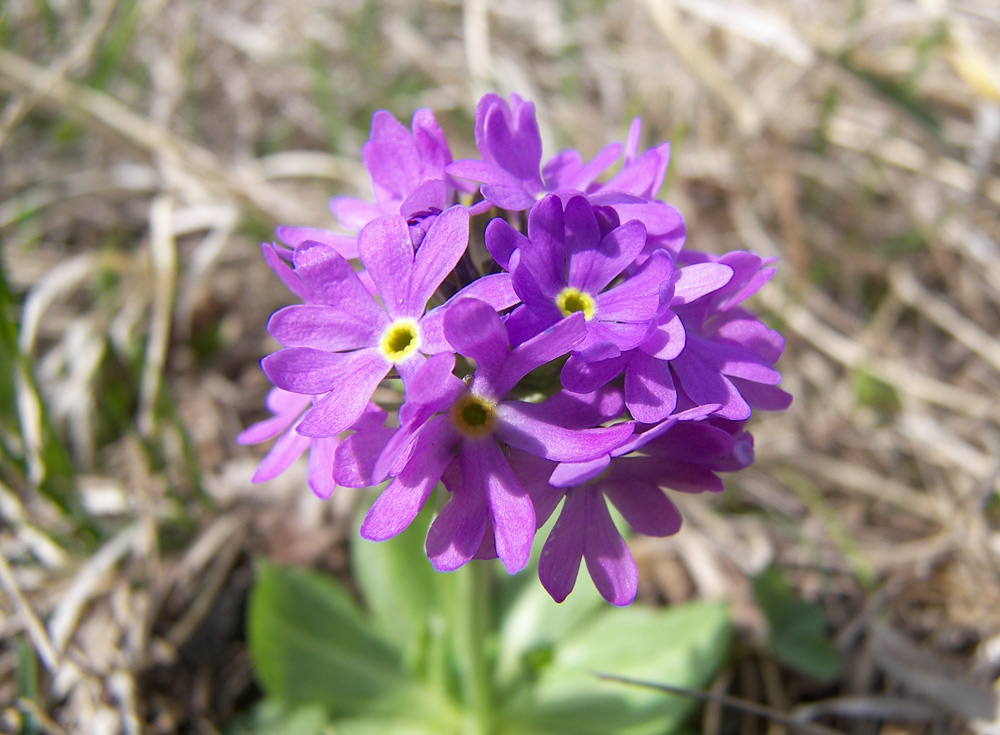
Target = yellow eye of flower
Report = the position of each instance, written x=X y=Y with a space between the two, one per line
x=473 y=416
x=571 y=300
x=400 y=340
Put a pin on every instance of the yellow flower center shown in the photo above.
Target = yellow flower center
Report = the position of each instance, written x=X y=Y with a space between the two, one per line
x=572 y=300
x=473 y=416
x=400 y=340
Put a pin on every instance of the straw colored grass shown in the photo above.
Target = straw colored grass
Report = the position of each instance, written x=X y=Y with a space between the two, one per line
x=146 y=148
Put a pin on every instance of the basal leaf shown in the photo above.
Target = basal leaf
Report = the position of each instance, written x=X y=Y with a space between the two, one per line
x=798 y=629
x=681 y=646
x=310 y=645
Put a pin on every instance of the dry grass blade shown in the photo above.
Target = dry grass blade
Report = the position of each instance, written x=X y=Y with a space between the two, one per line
x=925 y=673
x=794 y=724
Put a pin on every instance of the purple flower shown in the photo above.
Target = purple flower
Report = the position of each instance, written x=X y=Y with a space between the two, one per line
x=511 y=150
x=344 y=345
x=680 y=453
x=461 y=433
x=591 y=283
x=650 y=391
x=287 y=409
x=729 y=355
x=407 y=169
x=571 y=255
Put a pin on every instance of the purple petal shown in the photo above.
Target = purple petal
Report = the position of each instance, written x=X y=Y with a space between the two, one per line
x=544 y=253
x=353 y=214
x=632 y=141
x=691 y=441
x=279 y=458
x=571 y=474
x=525 y=322
x=485 y=172
x=303 y=369
x=431 y=143
x=734 y=360
x=356 y=456
x=704 y=384
x=583 y=176
x=559 y=563
x=440 y=250
x=511 y=512
x=764 y=397
x=555 y=341
x=539 y=300
x=624 y=336
x=277 y=264
x=667 y=340
x=510 y=138
x=433 y=386
x=685 y=477
x=636 y=299
x=346 y=245
x=582 y=238
x=518 y=425
x=321 y=463
x=286 y=408
x=495 y=290
x=592 y=270
x=473 y=328
x=321 y=327
x=643 y=176
x=580 y=376
x=502 y=240
x=403 y=498
x=457 y=532
x=644 y=506
x=694 y=281
x=510 y=198
x=387 y=252
x=354 y=378
x=743 y=328
x=649 y=389
x=576 y=411
x=264 y=430
x=430 y=196
x=608 y=559
x=334 y=282
x=392 y=159
x=562 y=170
x=533 y=473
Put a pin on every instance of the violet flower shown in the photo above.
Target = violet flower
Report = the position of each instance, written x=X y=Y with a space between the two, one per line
x=565 y=265
x=729 y=354
x=462 y=433
x=511 y=150
x=345 y=345
x=290 y=445
x=407 y=169
x=682 y=454
x=650 y=392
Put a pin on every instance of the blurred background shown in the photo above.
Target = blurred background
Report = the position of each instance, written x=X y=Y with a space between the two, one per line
x=147 y=147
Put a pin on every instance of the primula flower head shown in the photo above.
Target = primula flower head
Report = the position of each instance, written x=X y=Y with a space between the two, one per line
x=578 y=354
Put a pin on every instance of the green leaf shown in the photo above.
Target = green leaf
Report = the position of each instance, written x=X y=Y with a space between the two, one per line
x=310 y=644
x=274 y=717
x=798 y=628
x=399 y=585
x=682 y=646
x=532 y=623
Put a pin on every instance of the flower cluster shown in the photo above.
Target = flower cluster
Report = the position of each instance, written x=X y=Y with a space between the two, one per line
x=552 y=339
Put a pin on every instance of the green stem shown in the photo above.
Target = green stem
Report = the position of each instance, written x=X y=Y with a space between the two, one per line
x=472 y=622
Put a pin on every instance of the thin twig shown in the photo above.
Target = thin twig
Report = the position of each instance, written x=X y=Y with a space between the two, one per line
x=809 y=728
